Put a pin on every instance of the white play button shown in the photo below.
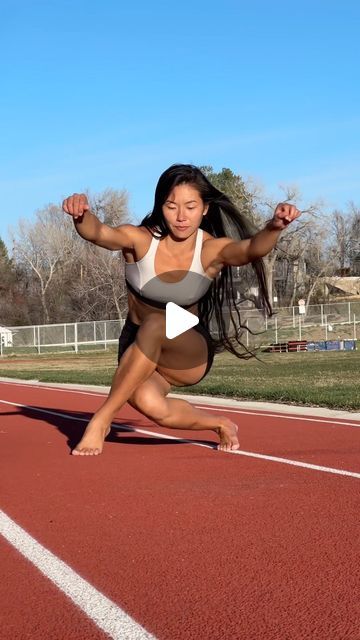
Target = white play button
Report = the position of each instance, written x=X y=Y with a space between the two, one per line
x=178 y=320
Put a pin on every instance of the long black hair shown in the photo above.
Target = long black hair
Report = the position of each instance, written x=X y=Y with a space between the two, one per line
x=223 y=218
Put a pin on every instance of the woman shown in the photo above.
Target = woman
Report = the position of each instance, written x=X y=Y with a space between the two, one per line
x=181 y=253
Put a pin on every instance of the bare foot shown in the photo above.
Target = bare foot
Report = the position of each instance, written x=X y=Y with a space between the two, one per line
x=91 y=444
x=227 y=433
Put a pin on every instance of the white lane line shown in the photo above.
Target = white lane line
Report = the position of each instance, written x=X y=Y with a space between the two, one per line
x=153 y=434
x=252 y=412
x=328 y=421
x=102 y=611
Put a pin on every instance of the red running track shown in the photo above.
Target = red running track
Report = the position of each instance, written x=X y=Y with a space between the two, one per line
x=192 y=543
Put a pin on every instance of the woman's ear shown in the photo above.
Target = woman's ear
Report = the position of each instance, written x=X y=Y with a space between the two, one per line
x=206 y=210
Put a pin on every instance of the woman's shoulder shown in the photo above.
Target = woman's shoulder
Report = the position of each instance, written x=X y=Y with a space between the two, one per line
x=207 y=236
x=135 y=230
x=211 y=252
x=136 y=234
x=141 y=239
x=212 y=242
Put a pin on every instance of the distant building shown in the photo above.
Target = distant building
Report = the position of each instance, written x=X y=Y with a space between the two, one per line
x=6 y=337
x=355 y=266
x=288 y=274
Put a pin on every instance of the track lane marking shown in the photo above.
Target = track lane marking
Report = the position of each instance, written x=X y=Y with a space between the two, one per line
x=154 y=434
x=280 y=415
x=107 y=615
x=252 y=412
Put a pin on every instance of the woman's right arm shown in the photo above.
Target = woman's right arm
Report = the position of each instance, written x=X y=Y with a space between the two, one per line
x=92 y=229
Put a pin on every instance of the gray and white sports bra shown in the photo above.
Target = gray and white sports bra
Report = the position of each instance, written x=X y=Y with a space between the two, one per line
x=143 y=282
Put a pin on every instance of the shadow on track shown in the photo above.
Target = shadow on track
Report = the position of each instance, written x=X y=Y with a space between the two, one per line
x=74 y=424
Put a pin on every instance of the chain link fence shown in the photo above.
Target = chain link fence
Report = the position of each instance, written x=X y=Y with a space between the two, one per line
x=74 y=337
x=323 y=322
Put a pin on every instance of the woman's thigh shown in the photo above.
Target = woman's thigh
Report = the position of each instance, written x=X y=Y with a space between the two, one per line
x=183 y=360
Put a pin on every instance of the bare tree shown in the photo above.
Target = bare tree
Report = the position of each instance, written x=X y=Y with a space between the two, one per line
x=100 y=290
x=292 y=245
x=69 y=277
x=42 y=246
x=111 y=206
x=342 y=241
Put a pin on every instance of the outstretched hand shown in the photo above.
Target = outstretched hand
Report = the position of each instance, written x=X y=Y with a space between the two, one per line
x=284 y=214
x=76 y=205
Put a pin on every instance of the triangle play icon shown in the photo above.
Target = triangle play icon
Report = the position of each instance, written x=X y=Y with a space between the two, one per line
x=178 y=320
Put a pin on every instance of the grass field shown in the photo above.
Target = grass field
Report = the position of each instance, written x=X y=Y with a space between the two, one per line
x=328 y=379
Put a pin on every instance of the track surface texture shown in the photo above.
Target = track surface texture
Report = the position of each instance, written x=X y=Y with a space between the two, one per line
x=189 y=542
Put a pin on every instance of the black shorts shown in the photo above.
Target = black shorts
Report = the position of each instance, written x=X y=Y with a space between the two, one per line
x=130 y=329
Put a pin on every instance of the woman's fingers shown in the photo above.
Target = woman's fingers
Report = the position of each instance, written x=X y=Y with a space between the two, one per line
x=286 y=212
x=76 y=205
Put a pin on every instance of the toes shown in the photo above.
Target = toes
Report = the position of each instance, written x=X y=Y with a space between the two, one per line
x=86 y=451
x=228 y=446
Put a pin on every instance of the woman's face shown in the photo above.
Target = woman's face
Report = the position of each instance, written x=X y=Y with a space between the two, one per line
x=183 y=210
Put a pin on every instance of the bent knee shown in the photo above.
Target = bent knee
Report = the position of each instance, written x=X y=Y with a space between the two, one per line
x=155 y=408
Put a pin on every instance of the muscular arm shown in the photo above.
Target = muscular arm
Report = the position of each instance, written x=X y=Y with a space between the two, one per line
x=242 y=252
x=92 y=229
x=237 y=253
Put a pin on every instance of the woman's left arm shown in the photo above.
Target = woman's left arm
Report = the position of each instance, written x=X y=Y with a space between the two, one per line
x=244 y=251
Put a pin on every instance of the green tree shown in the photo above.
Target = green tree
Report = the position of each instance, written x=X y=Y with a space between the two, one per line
x=6 y=274
x=236 y=189
x=291 y=246
x=4 y=256
x=9 y=306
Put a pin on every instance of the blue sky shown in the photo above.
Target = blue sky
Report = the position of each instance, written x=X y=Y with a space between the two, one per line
x=109 y=94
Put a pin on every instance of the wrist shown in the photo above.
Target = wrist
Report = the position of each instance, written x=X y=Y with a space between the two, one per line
x=273 y=225
x=82 y=216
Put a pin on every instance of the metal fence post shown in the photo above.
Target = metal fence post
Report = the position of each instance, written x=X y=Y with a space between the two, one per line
x=76 y=337
x=105 y=346
x=38 y=339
